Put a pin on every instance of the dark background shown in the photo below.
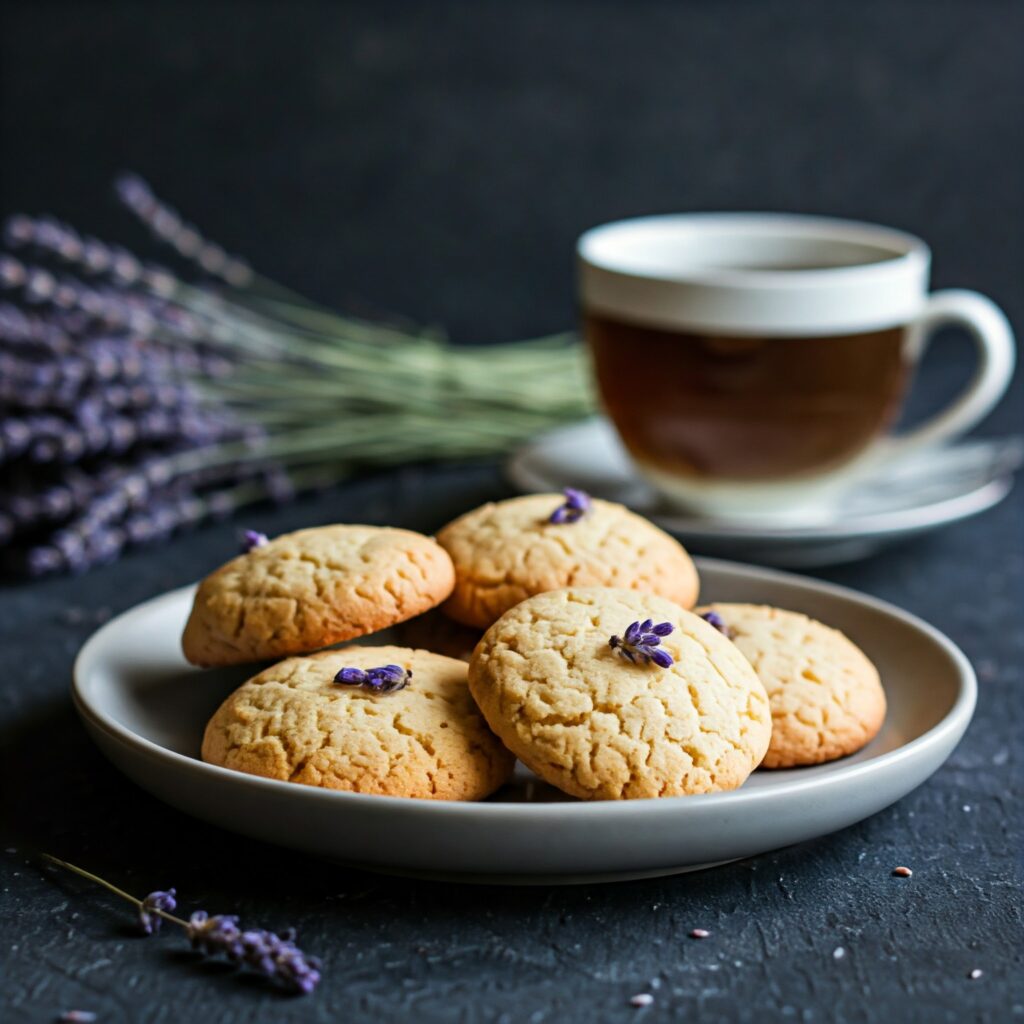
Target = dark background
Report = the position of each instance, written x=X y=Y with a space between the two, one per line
x=437 y=160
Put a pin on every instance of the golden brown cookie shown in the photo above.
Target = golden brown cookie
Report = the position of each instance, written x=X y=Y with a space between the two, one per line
x=585 y=718
x=826 y=698
x=509 y=551
x=306 y=590
x=435 y=632
x=295 y=723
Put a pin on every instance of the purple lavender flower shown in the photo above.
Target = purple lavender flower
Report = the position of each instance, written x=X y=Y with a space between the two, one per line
x=297 y=971
x=274 y=956
x=92 y=255
x=12 y=272
x=576 y=505
x=167 y=225
x=114 y=306
x=30 y=333
x=253 y=539
x=217 y=934
x=18 y=230
x=716 y=620
x=277 y=956
x=149 y=919
x=40 y=286
x=642 y=642
x=384 y=679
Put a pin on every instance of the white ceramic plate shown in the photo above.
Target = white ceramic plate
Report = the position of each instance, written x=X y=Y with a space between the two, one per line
x=923 y=492
x=146 y=708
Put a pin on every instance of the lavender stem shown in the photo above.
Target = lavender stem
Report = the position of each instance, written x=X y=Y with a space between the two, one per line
x=113 y=888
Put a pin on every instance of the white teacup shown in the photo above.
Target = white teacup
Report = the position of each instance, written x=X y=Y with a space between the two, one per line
x=753 y=364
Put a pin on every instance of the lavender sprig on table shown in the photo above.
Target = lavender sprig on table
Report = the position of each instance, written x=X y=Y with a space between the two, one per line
x=642 y=643
x=274 y=956
x=238 y=388
x=152 y=906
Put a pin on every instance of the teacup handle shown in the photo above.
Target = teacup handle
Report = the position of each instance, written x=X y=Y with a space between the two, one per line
x=993 y=336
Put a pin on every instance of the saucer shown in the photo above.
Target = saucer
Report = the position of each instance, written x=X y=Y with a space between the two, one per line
x=921 y=492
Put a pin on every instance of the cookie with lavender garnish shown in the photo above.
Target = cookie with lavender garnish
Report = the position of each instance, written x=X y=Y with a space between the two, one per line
x=390 y=721
x=306 y=590
x=826 y=697
x=508 y=551
x=612 y=694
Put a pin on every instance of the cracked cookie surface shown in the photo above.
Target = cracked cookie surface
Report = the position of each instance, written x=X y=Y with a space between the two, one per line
x=508 y=551
x=293 y=722
x=309 y=589
x=826 y=698
x=599 y=727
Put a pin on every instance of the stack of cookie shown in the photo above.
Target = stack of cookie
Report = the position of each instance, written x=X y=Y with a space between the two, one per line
x=552 y=629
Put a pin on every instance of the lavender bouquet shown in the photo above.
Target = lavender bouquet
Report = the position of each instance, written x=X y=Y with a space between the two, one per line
x=137 y=400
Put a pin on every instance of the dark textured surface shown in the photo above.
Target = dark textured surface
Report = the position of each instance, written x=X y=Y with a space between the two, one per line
x=438 y=160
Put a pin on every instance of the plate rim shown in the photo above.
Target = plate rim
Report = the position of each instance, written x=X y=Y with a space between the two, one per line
x=954 y=723
x=927 y=516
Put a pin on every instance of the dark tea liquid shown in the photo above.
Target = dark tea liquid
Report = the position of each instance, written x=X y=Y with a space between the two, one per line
x=746 y=408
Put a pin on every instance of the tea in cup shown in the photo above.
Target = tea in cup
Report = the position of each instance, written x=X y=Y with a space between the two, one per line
x=754 y=364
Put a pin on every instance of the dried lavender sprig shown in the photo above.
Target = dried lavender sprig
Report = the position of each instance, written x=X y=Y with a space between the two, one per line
x=143 y=312
x=38 y=286
x=104 y=495
x=274 y=956
x=712 y=618
x=136 y=488
x=32 y=498
x=35 y=502
x=142 y=296
x=45 y=438
x=98 y=402
x=642 y=643
x=384 y=679
x=93 y=256
x=576 y=505
x=253 y=539
x=257 y=295
x=85 y=543
x=26 y=332
x=110 y=887
x=272 y=307
x=149 y=919
x=167 y=225
x=100 y=360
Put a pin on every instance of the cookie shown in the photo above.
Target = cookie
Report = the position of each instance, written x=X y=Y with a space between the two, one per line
x=826 y=698
x=295 y=723
x=309 y=589
x=509 y=551
x=440 y=634
x=585 y=718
